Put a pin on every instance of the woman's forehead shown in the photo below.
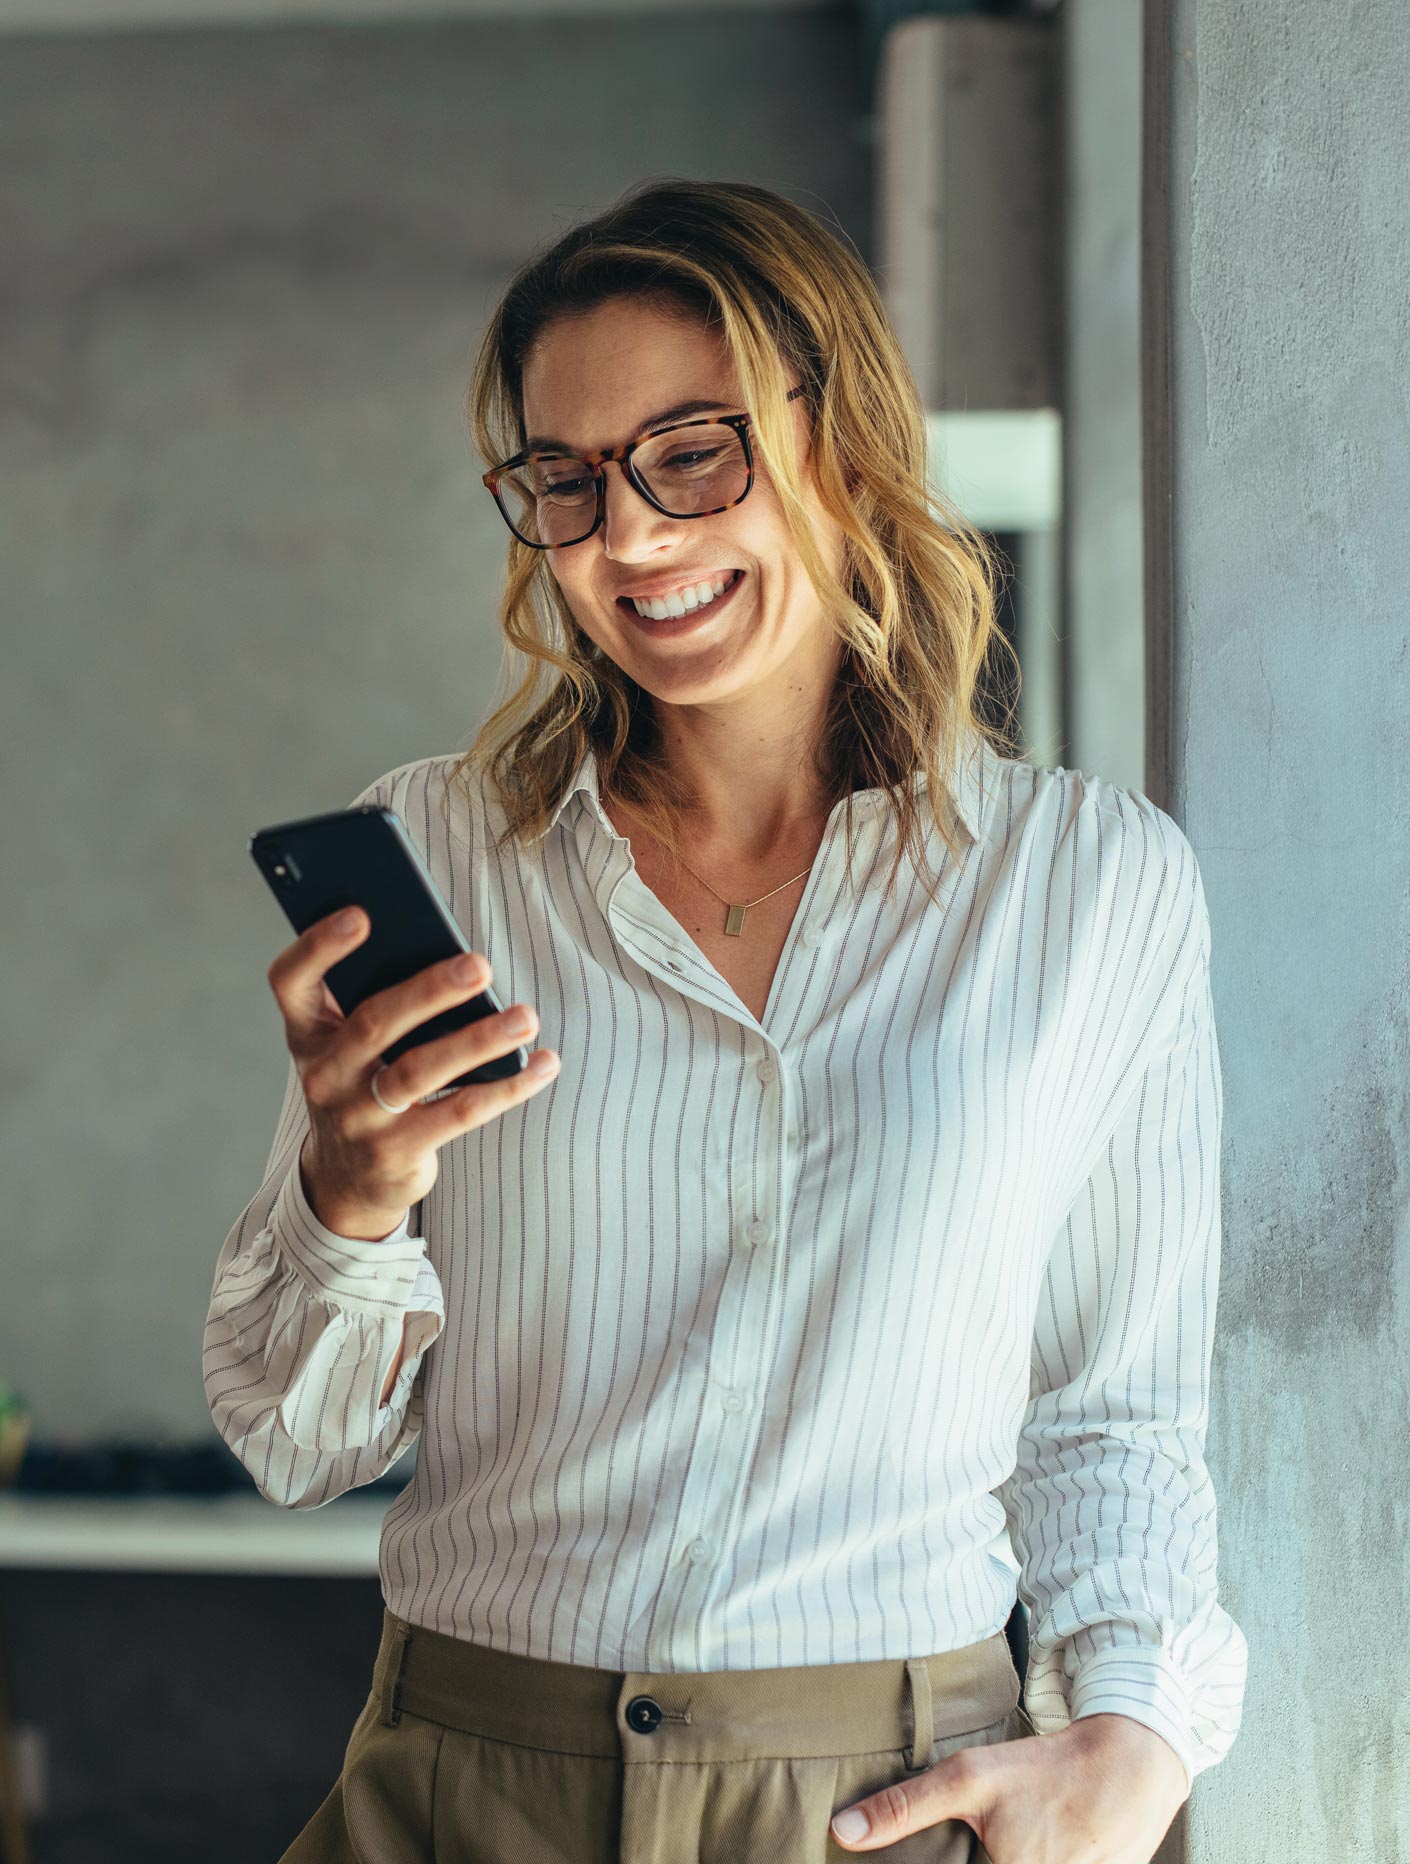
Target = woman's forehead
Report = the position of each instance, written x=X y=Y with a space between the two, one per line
x=599 y=377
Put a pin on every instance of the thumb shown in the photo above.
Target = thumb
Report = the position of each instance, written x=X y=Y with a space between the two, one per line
x=951 y=1789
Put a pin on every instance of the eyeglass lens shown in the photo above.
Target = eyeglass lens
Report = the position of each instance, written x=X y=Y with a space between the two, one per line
x=553 y=500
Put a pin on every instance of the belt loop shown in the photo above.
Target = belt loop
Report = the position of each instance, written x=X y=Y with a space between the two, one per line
x=922 y=1714
x=391 y=1679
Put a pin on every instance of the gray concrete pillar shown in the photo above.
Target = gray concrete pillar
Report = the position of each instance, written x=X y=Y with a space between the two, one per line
x=1277 y=353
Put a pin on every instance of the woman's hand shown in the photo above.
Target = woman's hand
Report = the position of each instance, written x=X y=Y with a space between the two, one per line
x=363 y=1167
x=1103 y=1790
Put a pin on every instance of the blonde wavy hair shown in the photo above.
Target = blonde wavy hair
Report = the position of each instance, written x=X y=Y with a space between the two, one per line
x=915 y=611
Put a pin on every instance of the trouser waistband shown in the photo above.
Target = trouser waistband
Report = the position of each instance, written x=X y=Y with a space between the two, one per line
x=810 y=1710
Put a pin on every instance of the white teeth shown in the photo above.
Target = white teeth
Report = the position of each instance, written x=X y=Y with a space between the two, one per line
x=682 y=601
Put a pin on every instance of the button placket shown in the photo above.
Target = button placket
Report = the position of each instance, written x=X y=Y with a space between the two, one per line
x=644 y=929
x=746 y=1319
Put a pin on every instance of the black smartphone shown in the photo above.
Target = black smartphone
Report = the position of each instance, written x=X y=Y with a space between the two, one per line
x=364 y=857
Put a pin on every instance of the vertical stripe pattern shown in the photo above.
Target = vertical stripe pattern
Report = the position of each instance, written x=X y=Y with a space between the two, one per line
x=752 y=1343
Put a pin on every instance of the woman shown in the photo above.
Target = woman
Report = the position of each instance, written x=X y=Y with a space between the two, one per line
x=873 y=1221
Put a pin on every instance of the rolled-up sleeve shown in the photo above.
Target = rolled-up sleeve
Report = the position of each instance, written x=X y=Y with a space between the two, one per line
x=1110 y=1505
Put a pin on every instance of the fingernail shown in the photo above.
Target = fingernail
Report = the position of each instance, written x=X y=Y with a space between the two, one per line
x=850 y=1824
x=547 y=1063
x=466 y=970
x=350 y=920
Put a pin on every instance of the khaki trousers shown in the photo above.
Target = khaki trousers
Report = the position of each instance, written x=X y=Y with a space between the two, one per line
x=467 y=1755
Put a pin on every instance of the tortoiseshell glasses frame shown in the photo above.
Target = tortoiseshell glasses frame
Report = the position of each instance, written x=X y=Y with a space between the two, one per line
x=623 y=455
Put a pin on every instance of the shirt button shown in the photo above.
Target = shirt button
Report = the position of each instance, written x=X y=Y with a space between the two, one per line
x=699 y=1550
x=767 y=1070
x=812 y=933
x=755 y=1233
x=733 y=1401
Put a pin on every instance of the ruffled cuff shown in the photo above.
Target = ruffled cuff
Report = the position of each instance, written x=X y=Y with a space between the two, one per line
x=424 y=1321
x=374 y=1278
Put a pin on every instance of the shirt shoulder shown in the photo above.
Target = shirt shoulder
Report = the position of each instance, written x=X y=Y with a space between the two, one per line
x=433 y=798
x=1114 y=877
x=1096 y=826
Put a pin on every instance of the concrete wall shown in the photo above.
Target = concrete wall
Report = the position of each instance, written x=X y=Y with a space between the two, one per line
x=249 y=562
x=1288 y=211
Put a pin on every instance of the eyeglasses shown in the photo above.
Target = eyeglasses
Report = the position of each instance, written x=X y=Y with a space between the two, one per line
x=550 y=500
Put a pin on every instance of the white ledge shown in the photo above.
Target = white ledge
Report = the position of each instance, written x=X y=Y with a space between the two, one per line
x=1002 y=467
x=239 y=1533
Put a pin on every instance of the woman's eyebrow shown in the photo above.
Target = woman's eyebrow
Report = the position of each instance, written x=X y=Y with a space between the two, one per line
x=541 y=443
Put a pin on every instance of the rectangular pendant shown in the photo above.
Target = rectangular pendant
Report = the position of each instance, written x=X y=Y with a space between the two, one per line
x=734 y=924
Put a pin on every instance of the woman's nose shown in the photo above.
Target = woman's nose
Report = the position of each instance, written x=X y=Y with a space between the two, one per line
x=631 y=526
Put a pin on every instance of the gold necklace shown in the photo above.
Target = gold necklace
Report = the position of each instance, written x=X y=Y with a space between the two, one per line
x=734 y=917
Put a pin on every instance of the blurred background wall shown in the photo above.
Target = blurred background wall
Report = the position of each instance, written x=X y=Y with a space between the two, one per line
x=248 y=567
x=250 y=564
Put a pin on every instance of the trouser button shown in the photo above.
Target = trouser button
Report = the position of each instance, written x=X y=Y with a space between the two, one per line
x=644 y=1714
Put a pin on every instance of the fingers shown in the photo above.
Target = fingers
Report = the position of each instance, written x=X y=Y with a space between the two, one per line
x=296 y=975
x=336 y=1075
x=429 y=1066
x=333 y=1070
x=372 y=1160
x=482 y=1101
x=381 y=1019
x=952 y=1789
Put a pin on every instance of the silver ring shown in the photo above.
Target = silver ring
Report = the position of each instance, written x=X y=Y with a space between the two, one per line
x=385 y=1105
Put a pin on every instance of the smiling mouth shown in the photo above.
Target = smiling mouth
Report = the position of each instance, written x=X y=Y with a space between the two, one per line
x=675 y=612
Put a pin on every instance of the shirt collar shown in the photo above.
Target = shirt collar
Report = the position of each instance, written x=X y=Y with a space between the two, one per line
x=971 y=788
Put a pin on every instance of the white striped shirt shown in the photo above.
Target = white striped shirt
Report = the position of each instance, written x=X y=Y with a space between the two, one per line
x=750 y=1343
